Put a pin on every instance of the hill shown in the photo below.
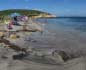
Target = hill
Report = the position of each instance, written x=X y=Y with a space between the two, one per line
x=21 y=11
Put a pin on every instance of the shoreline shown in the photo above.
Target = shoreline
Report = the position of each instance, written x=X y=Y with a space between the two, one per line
x=63 y=40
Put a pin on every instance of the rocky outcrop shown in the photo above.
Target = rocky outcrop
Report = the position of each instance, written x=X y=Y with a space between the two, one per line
x=44 y=16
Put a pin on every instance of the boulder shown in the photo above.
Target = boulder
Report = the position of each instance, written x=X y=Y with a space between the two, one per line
x=62 y=55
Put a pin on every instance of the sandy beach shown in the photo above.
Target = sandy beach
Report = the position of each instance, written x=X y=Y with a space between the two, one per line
x=70 y=41
x=42 y=34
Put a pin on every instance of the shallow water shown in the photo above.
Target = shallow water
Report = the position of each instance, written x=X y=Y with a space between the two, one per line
x=68 y=34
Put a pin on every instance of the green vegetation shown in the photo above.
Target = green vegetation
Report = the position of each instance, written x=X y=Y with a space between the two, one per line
x=21 y=11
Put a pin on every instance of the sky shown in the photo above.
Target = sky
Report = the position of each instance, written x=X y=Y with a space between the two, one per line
x=57 y=7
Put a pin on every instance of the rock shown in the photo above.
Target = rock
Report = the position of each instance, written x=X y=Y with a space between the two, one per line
x=19 y=56
x=64 y=55
x=4 y=57
x=61 y=55
x=57 y=59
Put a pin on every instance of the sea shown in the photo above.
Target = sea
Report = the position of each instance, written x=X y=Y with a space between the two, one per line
x=66 y=33
x=72 y=23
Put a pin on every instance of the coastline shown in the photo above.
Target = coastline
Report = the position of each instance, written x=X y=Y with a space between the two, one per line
x=62 y=40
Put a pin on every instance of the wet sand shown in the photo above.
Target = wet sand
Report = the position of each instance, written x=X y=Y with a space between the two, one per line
x=70 y=41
